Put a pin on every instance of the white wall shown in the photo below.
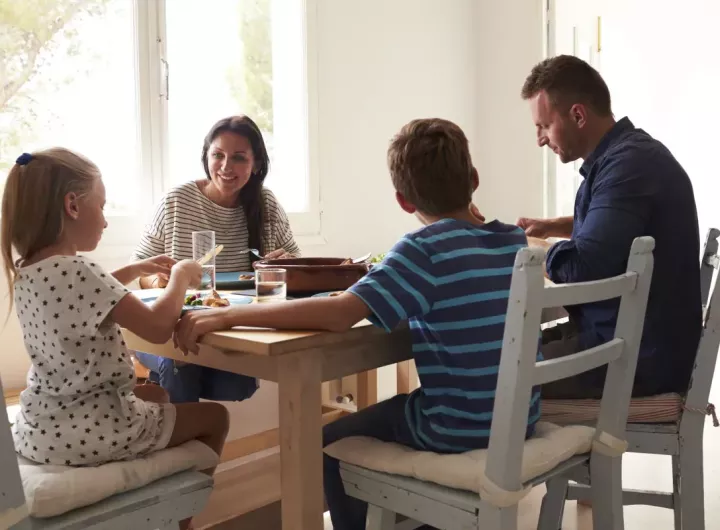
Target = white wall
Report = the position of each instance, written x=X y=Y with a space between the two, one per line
x=380 y=64
x=666 y=79
x=509 y=42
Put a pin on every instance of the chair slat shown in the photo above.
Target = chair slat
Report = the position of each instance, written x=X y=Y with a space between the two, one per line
x=577 y=363
x=588 y=292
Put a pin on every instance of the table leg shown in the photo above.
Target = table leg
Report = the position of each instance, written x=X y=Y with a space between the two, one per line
x=366 y=389
x=299 y=396
x=403 y=377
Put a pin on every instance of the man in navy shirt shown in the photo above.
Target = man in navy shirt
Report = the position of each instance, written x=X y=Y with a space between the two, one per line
x=632 y=187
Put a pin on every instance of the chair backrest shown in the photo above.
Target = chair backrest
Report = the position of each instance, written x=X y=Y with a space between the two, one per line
x=519 y=371
x=707 y=352
x=13 y=510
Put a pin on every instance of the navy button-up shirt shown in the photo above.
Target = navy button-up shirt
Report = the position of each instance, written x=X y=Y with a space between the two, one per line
x=633 y=187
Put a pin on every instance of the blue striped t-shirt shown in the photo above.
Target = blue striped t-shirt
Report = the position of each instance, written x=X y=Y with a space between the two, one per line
x=451 y=281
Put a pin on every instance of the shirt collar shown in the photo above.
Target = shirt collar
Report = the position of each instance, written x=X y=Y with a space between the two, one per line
x=613 y=134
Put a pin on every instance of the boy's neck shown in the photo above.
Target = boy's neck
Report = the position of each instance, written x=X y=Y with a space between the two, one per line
x=465 y=214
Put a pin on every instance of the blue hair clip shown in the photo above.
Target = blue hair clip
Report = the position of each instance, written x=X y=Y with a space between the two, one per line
x=23 y=159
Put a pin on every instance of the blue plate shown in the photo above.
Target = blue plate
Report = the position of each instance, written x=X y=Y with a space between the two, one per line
x=228 y=281
x=234 y=299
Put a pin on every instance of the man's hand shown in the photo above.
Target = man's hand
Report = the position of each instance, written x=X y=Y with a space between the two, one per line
x=194 y=324
x=543 y=228
x=537 y=228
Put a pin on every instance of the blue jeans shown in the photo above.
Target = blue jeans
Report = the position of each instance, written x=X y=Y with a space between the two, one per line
x=190 y=382
x=384 y=421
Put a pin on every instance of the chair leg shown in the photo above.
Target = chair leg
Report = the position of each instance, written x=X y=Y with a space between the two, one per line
x=692 y=488
x=499 y=519
x=553 y=504
x=607 y=494
x=677 y=500
x=379 y=518
x=170 y=526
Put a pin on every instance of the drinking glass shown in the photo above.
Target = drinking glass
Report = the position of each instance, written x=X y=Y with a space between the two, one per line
x=271 y=285
x=202 y=243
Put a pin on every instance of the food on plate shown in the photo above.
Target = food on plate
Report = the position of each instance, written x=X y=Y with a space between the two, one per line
x=213 y=300
x=377 y=259
x=193 y=300
x=244 y=277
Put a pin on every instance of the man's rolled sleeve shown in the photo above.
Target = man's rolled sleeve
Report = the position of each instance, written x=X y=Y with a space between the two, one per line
x=617 y=214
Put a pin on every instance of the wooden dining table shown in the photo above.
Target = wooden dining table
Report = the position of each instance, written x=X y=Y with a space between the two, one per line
x=299 y=361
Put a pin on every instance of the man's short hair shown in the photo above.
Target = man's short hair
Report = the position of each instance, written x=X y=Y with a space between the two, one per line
x=568 y=81
x=430 y=165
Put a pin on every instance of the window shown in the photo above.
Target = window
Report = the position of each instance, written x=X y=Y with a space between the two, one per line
x=573 y=29
x=136 y=84
x=60 y=68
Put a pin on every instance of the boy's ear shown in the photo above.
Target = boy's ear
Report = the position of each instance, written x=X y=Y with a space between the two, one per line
x=404 y=204
x=72 y=209
x=475 y=179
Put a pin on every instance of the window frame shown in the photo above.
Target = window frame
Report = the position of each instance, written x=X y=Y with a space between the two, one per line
x=124 y=230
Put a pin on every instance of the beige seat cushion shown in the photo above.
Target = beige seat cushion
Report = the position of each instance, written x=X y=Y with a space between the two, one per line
x=53 y=490
x=550 y=446
x=663 y=408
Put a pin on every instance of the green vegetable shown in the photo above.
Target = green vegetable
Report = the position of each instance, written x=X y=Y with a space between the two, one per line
x=378 y=258
x=190 y=299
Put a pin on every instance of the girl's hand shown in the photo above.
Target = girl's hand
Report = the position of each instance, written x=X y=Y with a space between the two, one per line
x=153 y=272
x=159 y=265
x=188 y=272
x=194 y=324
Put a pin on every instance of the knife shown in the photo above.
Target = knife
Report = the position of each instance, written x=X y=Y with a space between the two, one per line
x=210 y=255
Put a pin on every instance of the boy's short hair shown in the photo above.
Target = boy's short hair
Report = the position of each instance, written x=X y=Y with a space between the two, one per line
x=569 y=80
x=430 y=165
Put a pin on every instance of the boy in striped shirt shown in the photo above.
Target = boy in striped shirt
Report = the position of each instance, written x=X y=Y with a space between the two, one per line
x=449 y=280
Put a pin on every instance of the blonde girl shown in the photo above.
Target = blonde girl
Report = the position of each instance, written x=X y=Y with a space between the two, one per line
x=81 y=407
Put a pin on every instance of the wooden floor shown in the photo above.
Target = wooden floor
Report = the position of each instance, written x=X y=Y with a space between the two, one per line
x=12 y=397
x=248 y=496
x=245 y=496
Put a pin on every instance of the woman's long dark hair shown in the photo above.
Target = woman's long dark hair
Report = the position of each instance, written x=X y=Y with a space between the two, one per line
x=251 y=196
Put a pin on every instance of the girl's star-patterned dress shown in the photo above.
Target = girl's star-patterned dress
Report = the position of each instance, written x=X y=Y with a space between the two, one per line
x=79 y=408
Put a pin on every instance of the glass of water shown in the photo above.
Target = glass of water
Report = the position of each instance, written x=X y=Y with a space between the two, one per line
x=202 y=243
x=271 y=285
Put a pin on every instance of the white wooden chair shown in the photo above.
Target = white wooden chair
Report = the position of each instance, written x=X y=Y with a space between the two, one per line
x=683 y=439
x=497 y=508
x=160 y=505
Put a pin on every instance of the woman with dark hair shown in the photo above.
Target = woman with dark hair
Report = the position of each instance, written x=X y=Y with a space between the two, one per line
x=232 y=202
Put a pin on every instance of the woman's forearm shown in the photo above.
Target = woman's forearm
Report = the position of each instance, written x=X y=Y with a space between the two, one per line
x=148 y=282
